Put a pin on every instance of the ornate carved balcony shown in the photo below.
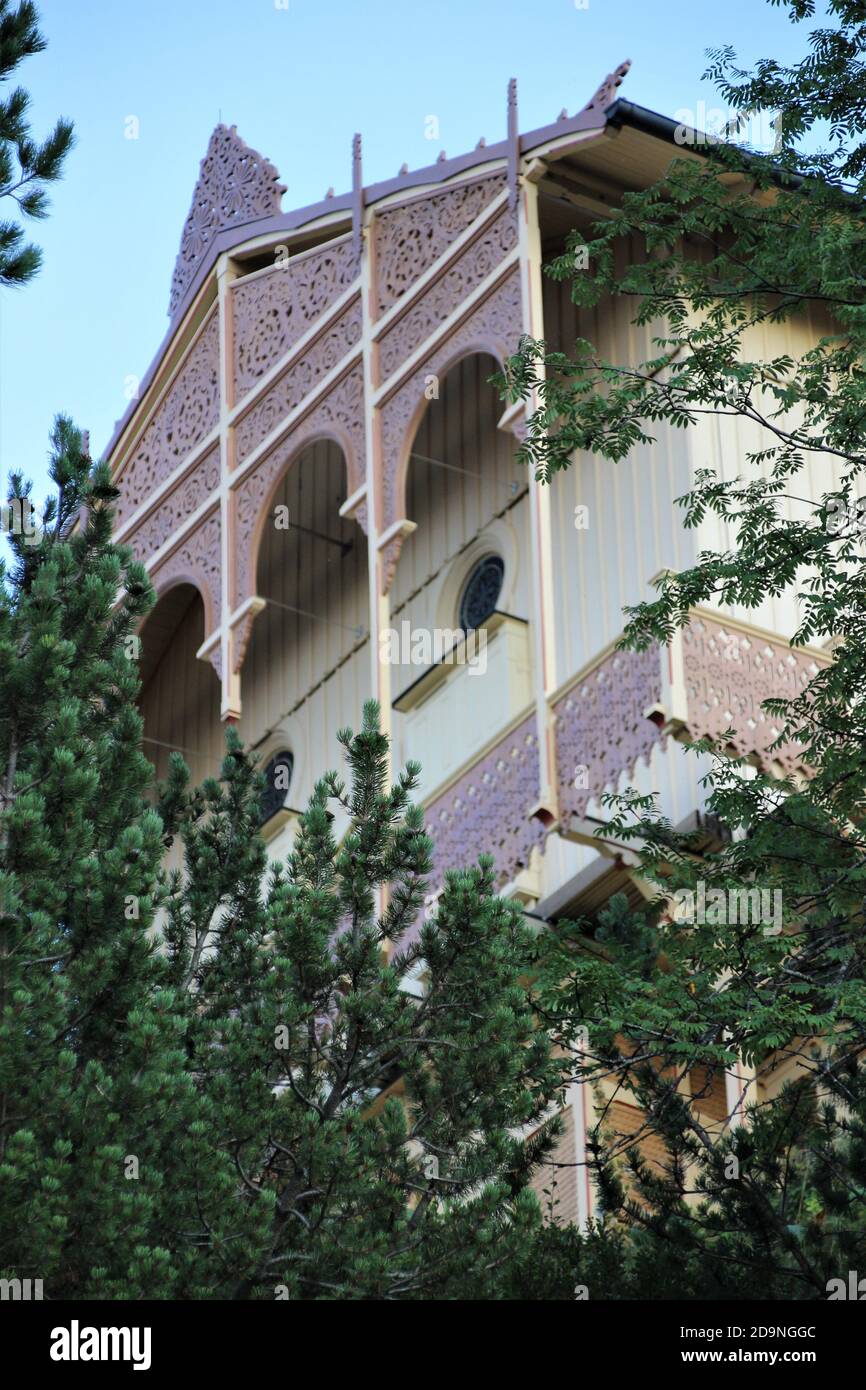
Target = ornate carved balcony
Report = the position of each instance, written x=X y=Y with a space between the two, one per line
x=614 y=715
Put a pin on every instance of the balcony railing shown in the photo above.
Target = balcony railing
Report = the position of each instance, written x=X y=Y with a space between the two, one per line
x=613 y=715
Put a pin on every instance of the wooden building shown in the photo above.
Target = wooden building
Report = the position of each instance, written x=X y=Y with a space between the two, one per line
x=322 y=483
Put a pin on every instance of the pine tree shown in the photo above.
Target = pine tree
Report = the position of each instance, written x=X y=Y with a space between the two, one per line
x=372 y=1126
x=88 y=1041
x=733 y=242
x=228 y=1082
x=26 y=166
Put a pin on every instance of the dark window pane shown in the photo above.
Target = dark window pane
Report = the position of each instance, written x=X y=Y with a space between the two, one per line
x=278 y=777
x=482 y=591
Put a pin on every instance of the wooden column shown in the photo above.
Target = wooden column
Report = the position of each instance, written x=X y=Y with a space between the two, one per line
x=543 y=602
x=230 y=703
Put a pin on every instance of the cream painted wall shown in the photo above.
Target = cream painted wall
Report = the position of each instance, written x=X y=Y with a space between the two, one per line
x=469 y=498
x=634 y=527
x=722 y=444
x=306 y=672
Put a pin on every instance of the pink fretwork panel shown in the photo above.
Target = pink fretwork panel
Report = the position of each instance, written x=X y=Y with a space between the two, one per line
x=728 y=673
x=188 y=413
x=298 y=380
x=493 y=327
x=197 y=560
x=272 y=310
x=235 y=185
x=411 y=237
x=193 y=489
x=601 y=728
x=339 y=416
x=446 y=293
x=487 y=810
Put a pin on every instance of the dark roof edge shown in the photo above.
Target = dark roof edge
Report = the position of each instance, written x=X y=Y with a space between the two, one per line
x=641 y=118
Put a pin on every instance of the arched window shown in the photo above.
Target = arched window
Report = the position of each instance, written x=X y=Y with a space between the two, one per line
x=278 y=779
x=481 y=592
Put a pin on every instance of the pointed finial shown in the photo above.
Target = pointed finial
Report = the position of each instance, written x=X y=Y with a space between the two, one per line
x=482 y=143
x=404 y=169
x=563 y=115
x=235 y=185
x=513 y=143
x=357 y=195
x=443 y=158
x=330 y=192
x=606 y=94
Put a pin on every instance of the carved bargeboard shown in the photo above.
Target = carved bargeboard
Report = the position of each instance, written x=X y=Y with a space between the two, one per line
x=447 y=293
x=409 y=238
x=187 y=414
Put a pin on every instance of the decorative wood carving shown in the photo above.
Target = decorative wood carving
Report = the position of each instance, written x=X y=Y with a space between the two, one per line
x=181 y=502
x=728 y=673
x=494 y=326
x=235 y=185
x=241 y=634
x=390 y=554
x=340 y=416
x=447 y=292
x=411 y=237
x=601 y=728
x=273 y=309
x=488 y=809
x=298 y=380
x=606 y=94
x=188 y=413
x=197 y=560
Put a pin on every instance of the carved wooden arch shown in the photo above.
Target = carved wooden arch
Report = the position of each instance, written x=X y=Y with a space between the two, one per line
x=339 y=417
x=247 y=603
x=493 y=329
x=470 y=350
x=197 y=561
x=166 y=581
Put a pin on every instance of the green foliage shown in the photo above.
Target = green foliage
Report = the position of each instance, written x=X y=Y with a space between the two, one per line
x=216 y=1083
x=727 y=247
x=26 y=166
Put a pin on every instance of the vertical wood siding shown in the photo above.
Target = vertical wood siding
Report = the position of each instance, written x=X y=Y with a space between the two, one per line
x=473 y=480
x=181 y=702
x=312 y=663
x=633 y=530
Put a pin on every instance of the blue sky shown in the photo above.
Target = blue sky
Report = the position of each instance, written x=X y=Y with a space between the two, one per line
x=297 y=81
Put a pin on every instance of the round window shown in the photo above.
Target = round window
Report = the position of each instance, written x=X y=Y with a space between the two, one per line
x=481 y=592
x=278 y=779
